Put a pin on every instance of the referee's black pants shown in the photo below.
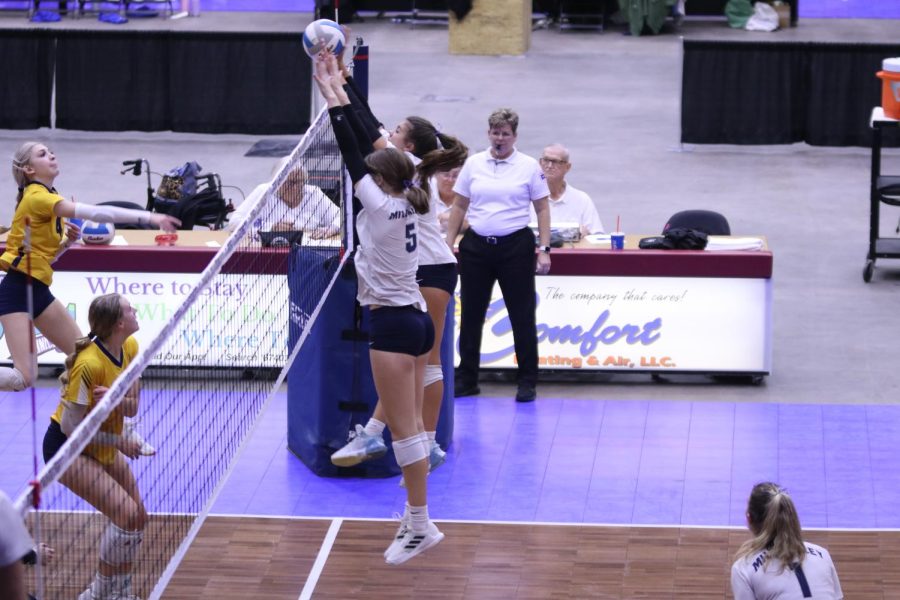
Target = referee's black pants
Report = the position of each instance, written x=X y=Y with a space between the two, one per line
x=510 y=261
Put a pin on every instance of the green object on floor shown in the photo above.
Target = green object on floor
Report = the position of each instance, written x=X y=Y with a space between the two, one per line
x=649 y=13
x=738 y=12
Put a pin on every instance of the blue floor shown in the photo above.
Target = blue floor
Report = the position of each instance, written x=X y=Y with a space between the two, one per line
x=619 y=462
x=573 y=461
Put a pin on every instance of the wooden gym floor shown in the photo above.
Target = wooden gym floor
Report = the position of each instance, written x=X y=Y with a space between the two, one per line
x=274 y=558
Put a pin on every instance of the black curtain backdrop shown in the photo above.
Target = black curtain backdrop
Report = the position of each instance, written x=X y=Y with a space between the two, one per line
x=156 y=81
x=781 y=92
x=27 y=78
x=239 y=83
x=113 y=81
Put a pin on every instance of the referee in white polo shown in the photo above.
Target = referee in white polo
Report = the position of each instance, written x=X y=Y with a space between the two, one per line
x=494 y=190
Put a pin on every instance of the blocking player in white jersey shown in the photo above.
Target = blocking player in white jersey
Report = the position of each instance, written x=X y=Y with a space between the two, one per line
x=432 y=152
x=401 y=332
x=776 y=564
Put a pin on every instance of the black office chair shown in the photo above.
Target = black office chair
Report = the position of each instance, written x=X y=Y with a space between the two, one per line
x=707 y=221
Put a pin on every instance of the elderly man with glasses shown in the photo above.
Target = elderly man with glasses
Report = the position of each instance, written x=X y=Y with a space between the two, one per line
x=567 y=203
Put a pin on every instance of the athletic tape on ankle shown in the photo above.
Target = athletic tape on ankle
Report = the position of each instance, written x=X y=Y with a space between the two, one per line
x=118 y=546
x=433 y=374
x=410 y=450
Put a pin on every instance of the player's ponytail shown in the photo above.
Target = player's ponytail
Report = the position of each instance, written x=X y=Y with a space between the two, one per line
x=417 y=197
x=775 y=524
x=80 y=344
x=21 y=159
x=103 y=314
x=451 y=155
x=398 y=176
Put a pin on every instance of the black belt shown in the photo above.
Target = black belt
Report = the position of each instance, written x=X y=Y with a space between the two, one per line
x=495 y=240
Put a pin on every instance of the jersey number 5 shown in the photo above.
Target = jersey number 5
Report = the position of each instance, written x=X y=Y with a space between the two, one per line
x=411 y=242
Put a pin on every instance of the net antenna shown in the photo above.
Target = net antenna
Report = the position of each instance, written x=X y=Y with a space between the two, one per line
x=204 y=380
x=32 y=372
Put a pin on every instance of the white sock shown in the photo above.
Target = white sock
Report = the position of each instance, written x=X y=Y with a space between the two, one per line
x=418 y=518
x=432 y=442
x=374 y=427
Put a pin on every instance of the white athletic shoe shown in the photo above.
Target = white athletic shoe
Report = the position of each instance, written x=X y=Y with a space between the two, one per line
x=413 y=544
x=399 y=536
x=130 y=432
x=361 y=447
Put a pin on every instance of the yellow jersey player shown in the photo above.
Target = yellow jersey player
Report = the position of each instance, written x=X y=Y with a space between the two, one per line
x=34 y=168
x=101 y=475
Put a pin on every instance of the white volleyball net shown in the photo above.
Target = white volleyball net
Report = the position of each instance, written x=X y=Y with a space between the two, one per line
x=204 y=379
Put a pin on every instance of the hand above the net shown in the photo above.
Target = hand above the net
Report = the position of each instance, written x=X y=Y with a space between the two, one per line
x=340 y=57
x=323 y=79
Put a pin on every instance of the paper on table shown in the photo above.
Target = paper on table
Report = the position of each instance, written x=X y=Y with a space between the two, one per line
x=597 y=238
x=329 y=242
x=213 y=244
x=719 y=242
x=118 y=241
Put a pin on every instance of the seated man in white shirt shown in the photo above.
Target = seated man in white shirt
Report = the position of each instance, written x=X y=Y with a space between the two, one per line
x=567 y=203
x=303 y=207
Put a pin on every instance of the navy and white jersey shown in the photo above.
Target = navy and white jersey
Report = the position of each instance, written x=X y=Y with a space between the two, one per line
x=387 y=258
x=755 y=577
x=433 y=248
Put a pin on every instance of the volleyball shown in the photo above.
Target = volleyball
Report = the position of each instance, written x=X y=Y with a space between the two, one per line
x=323 y=34
x=97 y=233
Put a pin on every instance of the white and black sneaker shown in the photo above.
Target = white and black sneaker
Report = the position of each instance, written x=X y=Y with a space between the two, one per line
x=412 y=544
x=400 y=535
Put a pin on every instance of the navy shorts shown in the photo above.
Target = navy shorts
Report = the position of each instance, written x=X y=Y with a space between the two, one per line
x=400 y=329
x=12 y=294
x=442 y=277
x=53 y=440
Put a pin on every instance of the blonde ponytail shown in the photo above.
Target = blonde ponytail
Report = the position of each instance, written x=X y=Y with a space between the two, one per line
x=80 y=344
x=773 y=519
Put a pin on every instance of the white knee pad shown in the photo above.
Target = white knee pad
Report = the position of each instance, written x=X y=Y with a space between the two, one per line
x=410 y=450
x=11 y=380
x=433 y=374
x=118 y=546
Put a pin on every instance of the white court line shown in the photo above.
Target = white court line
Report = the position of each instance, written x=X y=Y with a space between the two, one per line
x=321 y=559
x=550 y=523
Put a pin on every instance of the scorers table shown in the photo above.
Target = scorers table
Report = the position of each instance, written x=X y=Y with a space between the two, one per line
x=600 y=310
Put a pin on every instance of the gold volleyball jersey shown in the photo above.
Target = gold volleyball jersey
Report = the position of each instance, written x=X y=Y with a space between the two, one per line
x=47 y=232
x=96 y=366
